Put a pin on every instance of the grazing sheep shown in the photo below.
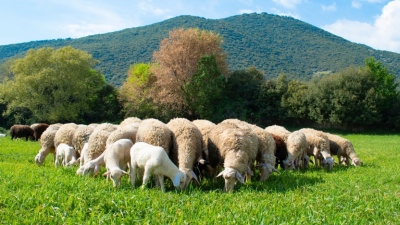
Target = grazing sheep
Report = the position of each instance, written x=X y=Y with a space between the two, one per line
x=81 y=136
x=117 y=159
x=98 y=139
x=150 y=159
x=91 y=167
x=65 y=154
x=155 y=132
x=47 y=144
x=297 y=151
x=254 y=147
x=131 y=121
x=231 y=146
x=278 y=131
x=186 y=151
x=65 y=134
x=203 y=166
x=21 y=131
x=84 y=155
x=281 y=152
x=318 y=146
x=123 y=132
x=344 y=149
x=38 y=129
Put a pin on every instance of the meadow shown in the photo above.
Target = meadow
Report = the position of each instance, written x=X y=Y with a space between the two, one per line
x=369 y=194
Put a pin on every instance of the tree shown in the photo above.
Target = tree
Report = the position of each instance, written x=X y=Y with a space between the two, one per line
x=176 y=62
x=203 y=94
x=135 y=92
x=54 y=85
x=294 y=101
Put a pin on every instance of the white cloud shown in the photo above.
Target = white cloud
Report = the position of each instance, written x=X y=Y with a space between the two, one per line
x=356 y=4
x=329 y=8
x=288 y=3
x=383 y=34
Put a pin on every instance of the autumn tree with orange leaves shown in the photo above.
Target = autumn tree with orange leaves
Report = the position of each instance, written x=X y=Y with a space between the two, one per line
x=177 y=60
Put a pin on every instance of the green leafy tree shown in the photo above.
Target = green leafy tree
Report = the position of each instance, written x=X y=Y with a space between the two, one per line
x=54 y=85
x=135 y=92
x=295 y=101
x=203 y=94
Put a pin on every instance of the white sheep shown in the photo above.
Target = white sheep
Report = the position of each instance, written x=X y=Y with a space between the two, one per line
x=65 y=155
x=117 y=159
x=65 y=134
x=122 y=132
x=231 y=146
x=153 y=160
x=187 y=142
x=280 y=131
x=91 y=167
x=155 y=132
x=97 y=143
x=134 y=121
x=344 y=150
x=47 y=144
x=297 y=151
x=81 y=136
x=203 y=166
x=84 y=158
x=318 y=147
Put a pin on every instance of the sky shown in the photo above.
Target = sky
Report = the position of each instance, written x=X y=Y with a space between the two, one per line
x=375 y=23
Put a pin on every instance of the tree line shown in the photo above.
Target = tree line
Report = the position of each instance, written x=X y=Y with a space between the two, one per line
x=189 y=77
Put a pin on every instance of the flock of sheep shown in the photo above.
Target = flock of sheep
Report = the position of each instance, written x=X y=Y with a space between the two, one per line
x=184 y=150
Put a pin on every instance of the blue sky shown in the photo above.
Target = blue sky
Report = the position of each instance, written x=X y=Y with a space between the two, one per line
x=375 y=23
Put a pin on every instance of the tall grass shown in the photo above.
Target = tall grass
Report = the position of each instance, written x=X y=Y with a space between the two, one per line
x=347 y=195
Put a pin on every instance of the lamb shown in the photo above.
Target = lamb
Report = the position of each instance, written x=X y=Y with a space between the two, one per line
x=38 y=129
x=64 y=155
x=318 y=146
x=84 y=158
x=47 y=144
x=117 y=159
x=21 y=131
x=154 y=160
x=344 y=149
x=297 y=151
x=231 y=146
x=186 y=151
x=65 y=134
x=91 y=167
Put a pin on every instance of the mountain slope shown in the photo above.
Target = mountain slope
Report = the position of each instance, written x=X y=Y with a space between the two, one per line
x=271 y=43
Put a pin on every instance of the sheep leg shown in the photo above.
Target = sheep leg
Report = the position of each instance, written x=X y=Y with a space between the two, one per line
x=146 y=177
x=161 y=182
x=132 y=172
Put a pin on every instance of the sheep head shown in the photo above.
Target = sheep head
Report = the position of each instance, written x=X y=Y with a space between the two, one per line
x=328 y=163
x=39 y=158
x=231 y=176
x=189 y=176
x=265 y=170
x=180 y=180
x=115 y=174
x=356 y=162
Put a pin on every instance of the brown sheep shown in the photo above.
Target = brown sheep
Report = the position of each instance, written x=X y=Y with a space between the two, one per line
x=38 y=129
x=21 y=131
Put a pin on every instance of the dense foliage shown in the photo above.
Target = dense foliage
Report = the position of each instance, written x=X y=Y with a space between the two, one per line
x=273 y=44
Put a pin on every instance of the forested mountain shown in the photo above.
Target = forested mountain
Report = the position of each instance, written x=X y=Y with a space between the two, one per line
x=273 y=44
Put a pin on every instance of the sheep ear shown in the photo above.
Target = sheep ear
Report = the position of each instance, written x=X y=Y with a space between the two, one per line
x=239 y=177
x=220 y=174
x=195 y=178
x=106 y=173
x=177 y=180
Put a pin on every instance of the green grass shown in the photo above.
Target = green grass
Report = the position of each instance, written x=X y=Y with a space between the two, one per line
x=348 y=195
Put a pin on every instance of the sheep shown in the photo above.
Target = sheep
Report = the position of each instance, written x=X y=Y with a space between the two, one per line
x=65 y=134
x=186 y=151
x=131 y=121
x=21 y=131
x=84 y=155
x=117 y=159
x=38 y=129
x=47 y=144
x=281 y=152
x=279 y=131
x=123 y=132
x=64 y=155
x=81 y=136
x=98 y=139
x=154 y=160
x=91 y=167
x=344 y=149
x=318 y=146
x=297 y=151
x=155 y=132
x=254 y=147
x=203 y=166
x=229 y=145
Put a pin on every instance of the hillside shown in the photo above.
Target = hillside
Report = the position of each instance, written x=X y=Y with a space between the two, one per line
x=271 y=43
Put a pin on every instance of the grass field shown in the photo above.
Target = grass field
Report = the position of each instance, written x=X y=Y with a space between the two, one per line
x=347 y=195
